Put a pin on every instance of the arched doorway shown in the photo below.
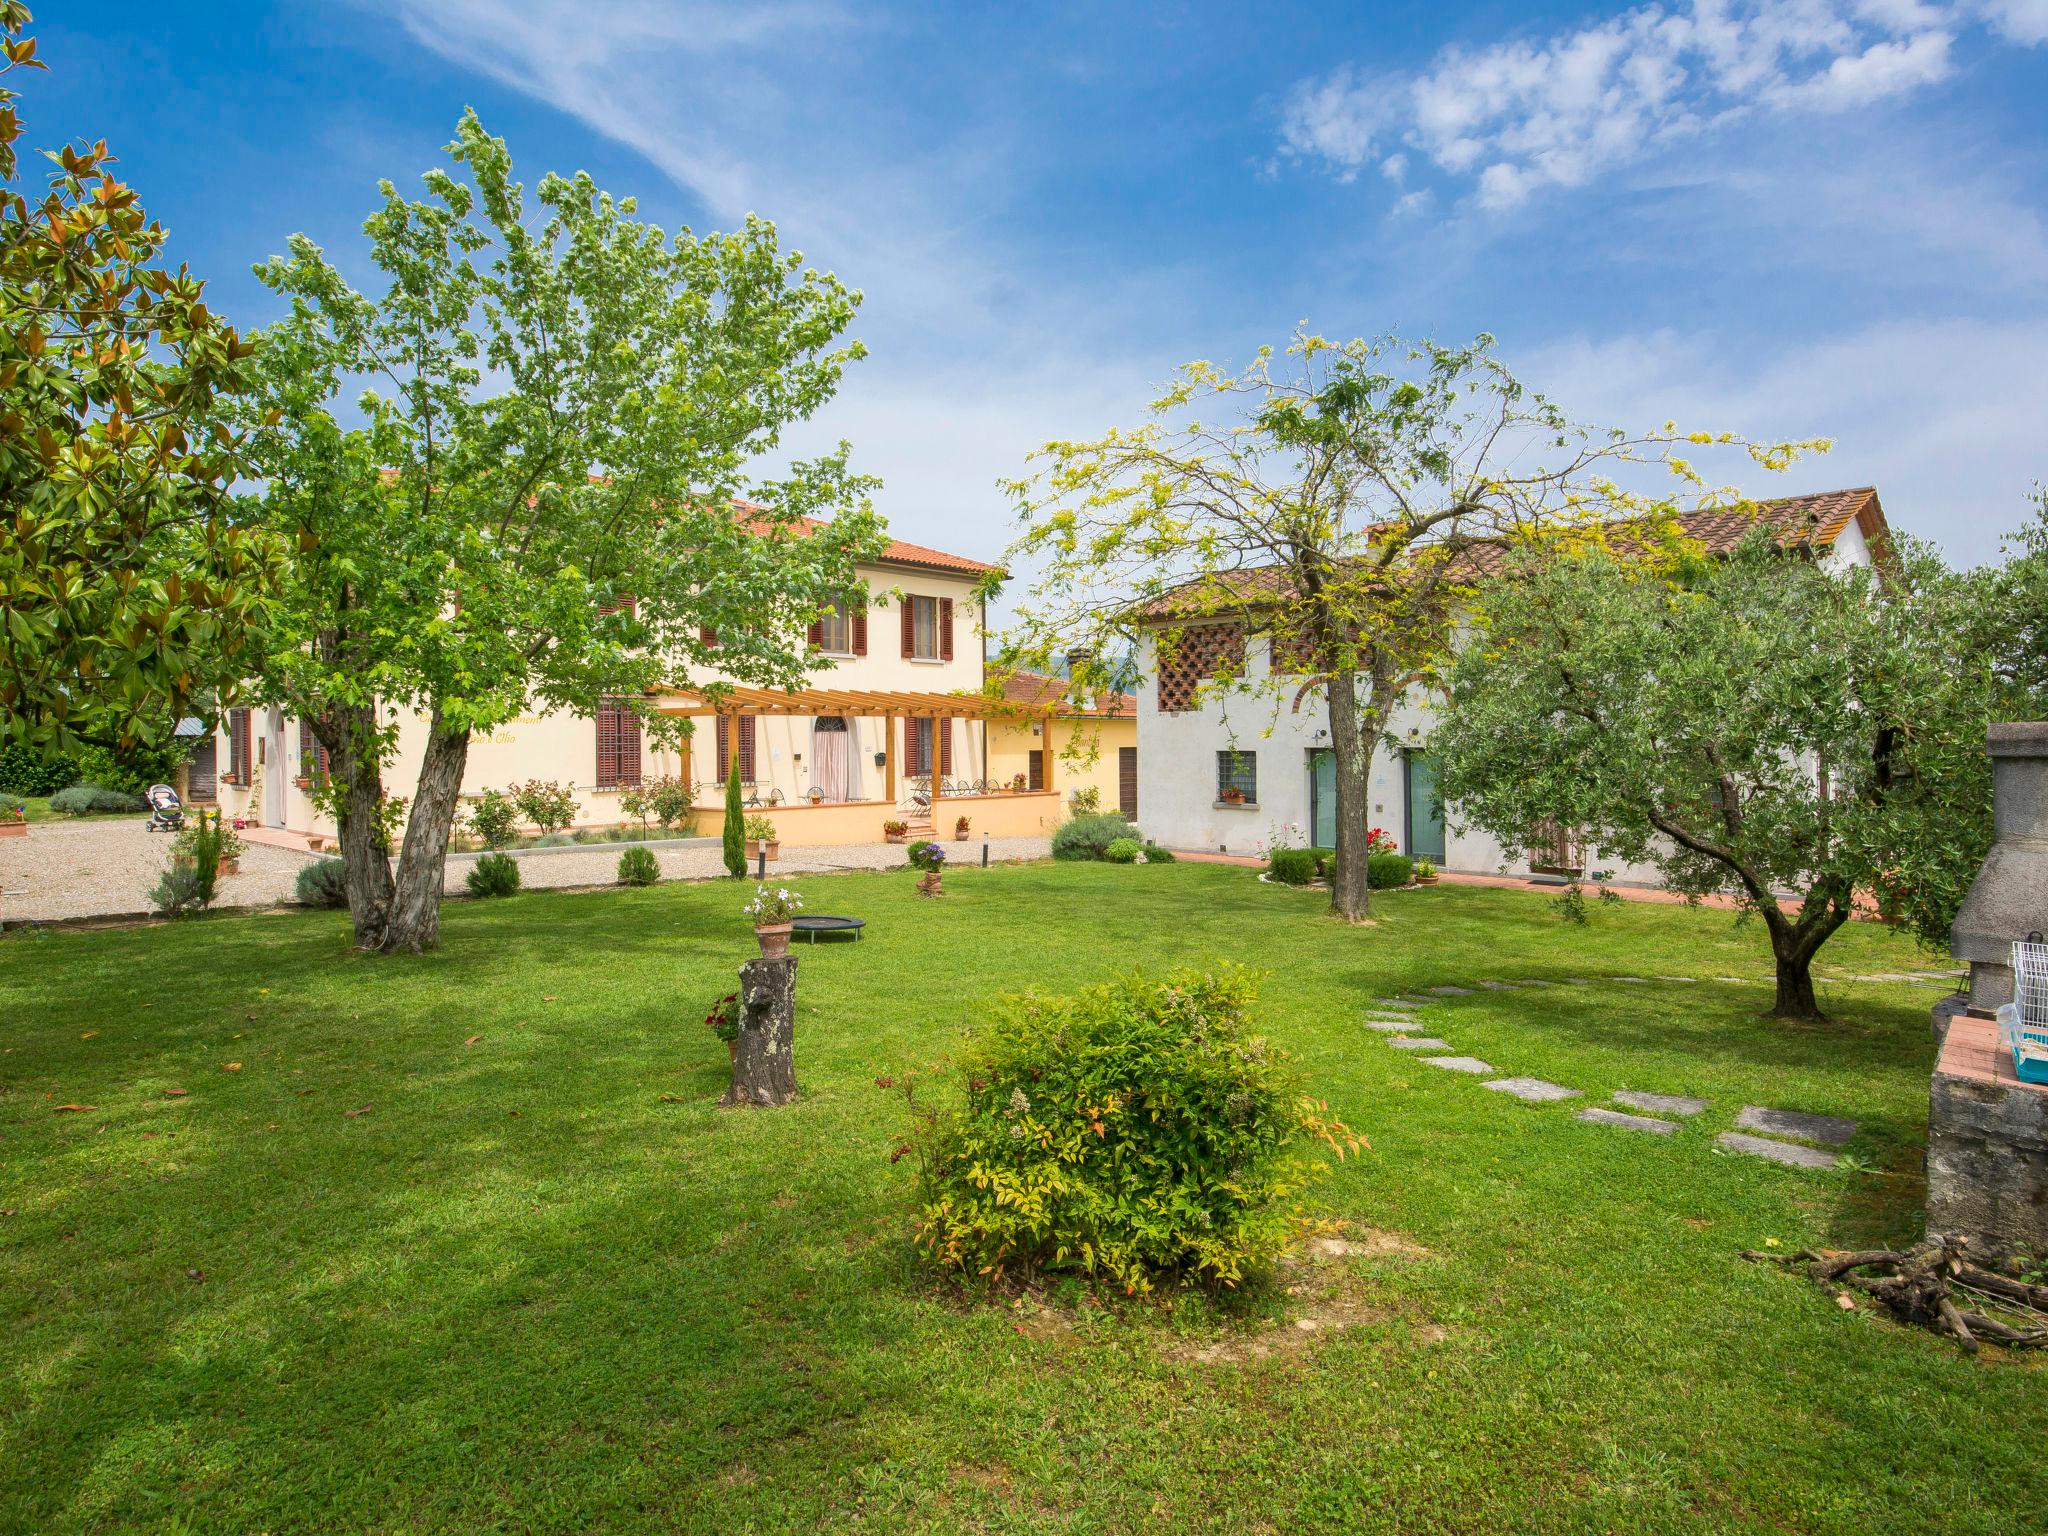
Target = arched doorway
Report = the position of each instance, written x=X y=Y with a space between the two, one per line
x=832 y=758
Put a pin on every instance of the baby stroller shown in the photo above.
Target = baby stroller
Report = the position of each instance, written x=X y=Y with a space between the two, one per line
x=166 y=810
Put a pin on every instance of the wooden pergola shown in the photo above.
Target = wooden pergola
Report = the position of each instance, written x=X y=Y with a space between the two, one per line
x=880 y=704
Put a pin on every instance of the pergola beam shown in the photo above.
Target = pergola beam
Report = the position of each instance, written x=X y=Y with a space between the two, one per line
x=875 y=703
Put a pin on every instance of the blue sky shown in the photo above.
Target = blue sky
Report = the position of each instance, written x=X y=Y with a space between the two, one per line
x=1821 y=217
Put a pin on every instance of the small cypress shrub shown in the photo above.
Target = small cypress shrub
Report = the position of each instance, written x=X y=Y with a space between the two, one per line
x=1123 y=850
x=735 y=822
x=323 y=884
x=495 y=874
x=638 y=866
x=1137 y=1130
x=1292 y=866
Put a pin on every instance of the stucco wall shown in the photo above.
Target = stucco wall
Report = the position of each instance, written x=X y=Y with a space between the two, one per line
x=1096 y=741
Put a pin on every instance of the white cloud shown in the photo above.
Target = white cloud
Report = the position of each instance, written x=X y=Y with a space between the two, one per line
x=1943 y=417
x=1524 y=114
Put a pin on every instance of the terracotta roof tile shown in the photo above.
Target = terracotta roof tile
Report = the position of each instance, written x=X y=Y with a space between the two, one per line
x=1034 y=690
x=896 y=553
x=1811 y=522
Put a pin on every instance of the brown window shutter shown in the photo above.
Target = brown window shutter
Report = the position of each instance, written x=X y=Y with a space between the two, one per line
x=707 y=636
x=943 y=729
x=308 y=748
x=816 y=634
x=909 y=612
x=629 y=749
x=945 y=629
x=746 y=749
x=860 y=627
x=607 y=745
x=241 y=750
x=724 y=753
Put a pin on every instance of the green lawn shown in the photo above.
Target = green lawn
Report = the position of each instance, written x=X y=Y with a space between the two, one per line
x=525 y=1290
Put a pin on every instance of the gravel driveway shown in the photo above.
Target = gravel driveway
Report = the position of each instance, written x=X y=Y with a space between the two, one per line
x=108 y=868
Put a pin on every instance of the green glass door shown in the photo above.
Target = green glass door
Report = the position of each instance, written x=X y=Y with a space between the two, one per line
x=1425 y=809
x=1322 y=797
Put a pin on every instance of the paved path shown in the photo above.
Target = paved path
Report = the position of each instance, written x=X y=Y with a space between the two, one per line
x=86 y=869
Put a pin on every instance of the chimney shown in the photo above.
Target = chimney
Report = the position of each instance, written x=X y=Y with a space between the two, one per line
x=2009 y=898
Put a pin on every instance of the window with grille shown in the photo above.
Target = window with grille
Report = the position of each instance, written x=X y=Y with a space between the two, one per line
x=1237 y=776
x=618 y=746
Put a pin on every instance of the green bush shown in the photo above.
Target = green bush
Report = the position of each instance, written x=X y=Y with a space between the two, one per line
x=1154 y=854
x=94 y=800
x=24 y=771
x=1326 y=860
x=735 y=844
x=1292 y=866
x=638 y=866
x=1135 y=1130
x=1123 y=850
x=1088 y=837
x=323 y=884
x=926 y=854
x=180 y=890
x=1385 y=870
x=495 y=874
x=494 y=818
x=133 y=770
x=547 y=803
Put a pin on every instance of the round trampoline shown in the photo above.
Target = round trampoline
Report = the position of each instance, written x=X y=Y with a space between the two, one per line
x=810 y=928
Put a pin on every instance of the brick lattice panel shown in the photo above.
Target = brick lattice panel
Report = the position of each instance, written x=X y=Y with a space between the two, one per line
x=1190 y=656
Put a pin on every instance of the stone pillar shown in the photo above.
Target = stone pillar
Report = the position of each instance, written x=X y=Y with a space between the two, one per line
x=2009 y=898
x=764 y=1066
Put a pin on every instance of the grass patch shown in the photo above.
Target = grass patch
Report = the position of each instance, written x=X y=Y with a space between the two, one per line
x=379 y=1278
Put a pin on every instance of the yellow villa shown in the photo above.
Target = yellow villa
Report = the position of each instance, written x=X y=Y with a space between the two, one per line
x=899 y=726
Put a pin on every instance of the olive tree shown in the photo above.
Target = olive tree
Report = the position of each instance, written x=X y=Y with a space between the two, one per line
x=1333 y=503
x=550 y=490
x=1808 y=740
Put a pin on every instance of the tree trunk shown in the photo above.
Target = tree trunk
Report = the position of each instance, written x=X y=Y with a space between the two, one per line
x=764 y=1066
x=415 y=922
x=1354 y=735
x=349 y=734
x=1795 y=999
x=1793 y=946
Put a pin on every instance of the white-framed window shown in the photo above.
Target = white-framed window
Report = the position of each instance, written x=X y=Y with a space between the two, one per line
x=835 y=631
x=924 y=628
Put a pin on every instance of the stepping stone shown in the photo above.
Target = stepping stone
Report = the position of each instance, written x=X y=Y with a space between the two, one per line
x=1391 y=1026
x=1740 y=981
x=1418 y=1043
x=1575 y=981
x=1627 y=1122
x=1640 y=980
x=1675 y=978
x=1498 y=986
x=1535 y=982
x=1450 y=991
x=1784 y=1122
x=1395 y=1002
x=1534 y=1089
x=1470 y=1064
x=1660 y=1103
x=1775 y=1151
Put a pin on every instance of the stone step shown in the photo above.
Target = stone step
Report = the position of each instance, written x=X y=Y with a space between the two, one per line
x=1826 y=1129
x=1789 y=1153
x=1627 y=1122
x=1660 y=1103
x=1534 y=1089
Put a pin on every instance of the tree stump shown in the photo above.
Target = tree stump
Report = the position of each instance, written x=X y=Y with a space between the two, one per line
x=764 y=1066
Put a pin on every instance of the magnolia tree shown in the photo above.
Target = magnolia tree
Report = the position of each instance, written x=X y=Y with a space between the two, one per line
x=129 y=593
x=548 y=497
x=1334 y=504
x=1802 y=738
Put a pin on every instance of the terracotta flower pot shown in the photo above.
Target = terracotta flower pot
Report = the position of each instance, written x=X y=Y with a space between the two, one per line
x=303 y=781
x=227 y=867
x=960 y=837
x=732 y=1049
x=774 y=939
x=775 y=849
x=12 y=828
x=753 y=846
x=897 y=837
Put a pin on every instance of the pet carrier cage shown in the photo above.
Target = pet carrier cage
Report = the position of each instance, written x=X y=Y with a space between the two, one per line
x=2023 y=1022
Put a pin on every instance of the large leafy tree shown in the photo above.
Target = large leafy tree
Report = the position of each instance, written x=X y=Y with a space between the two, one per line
x=1803 y=738
x=1333 y=503
x=542 y=505
x=128 y=590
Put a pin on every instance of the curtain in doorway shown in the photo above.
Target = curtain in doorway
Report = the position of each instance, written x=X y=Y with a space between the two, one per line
x=832 y=759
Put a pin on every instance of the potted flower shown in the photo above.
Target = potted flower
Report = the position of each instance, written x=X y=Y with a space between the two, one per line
x=760 y=834
x=724 y=1021
x=227 y=848
x=1231 y=795
x=816 y=796
x=13 y=820
x=895 y=831
x=1018 y=783
x=960 y=830
x=772 y=913
x=1425 y=872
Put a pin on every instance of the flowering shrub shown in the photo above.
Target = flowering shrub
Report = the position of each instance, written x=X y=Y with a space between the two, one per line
x=928 y=855
x=895 y=828
x=547 y=804
x=724 y=1018
x=494 y=818
x=1135 y=1130
x=770 y=908
x=1380 y=840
